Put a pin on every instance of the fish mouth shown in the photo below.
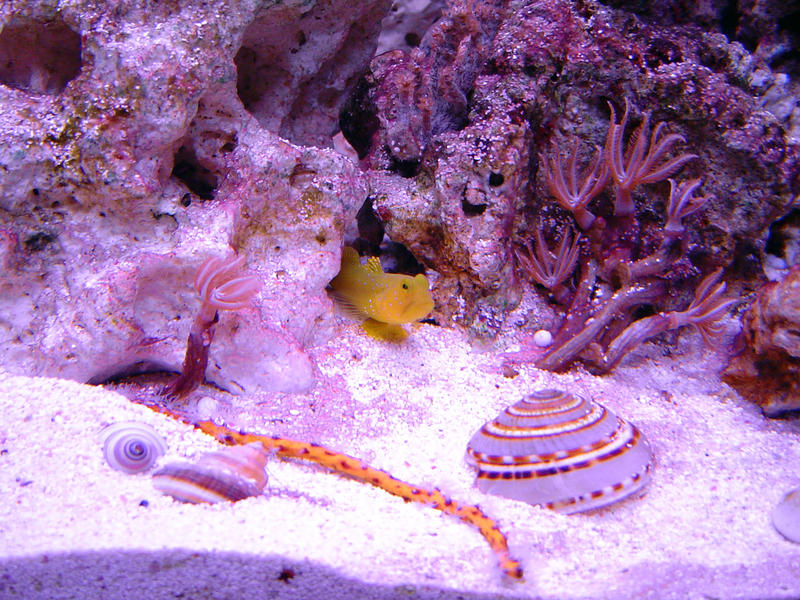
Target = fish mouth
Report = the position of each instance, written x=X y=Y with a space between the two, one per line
x=418 y=310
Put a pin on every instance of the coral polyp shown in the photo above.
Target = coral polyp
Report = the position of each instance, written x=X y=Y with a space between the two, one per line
x=622 y=265
x=222 y=285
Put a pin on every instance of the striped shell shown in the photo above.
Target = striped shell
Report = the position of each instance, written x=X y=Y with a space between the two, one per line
x=228 y=475
x=561 y=451
x=132 y=447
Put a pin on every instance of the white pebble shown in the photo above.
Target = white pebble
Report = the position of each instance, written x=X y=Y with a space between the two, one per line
x=786 y=516
x=207 y=408
x=543 y=338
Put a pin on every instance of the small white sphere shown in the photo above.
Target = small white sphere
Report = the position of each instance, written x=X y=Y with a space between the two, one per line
x=207 y=408
x=543 y=338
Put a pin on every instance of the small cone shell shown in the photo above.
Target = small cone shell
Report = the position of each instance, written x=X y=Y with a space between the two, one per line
x=560 y=451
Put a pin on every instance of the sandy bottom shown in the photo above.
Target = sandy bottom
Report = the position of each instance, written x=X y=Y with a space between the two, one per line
x=71 y=527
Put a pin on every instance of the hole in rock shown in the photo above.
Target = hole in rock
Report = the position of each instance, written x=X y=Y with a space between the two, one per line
x=412 y=39
x=784 y=238
x=405 y=168
x=370 y=227
x=358 y=120
x=472 y=209
x=399 y=259
x=729 y=18
x=370 y=230
x=120 y=373
x=496 y=179
x=662 y=51
x=786 y=56
x=746 y=261
x=253 y=77
x=36 y=242
x=39 y=57
x=299 y=61
x=198 y=178
x=372 y=241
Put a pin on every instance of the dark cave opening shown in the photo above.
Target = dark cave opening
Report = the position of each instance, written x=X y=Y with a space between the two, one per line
x=39 y=57
x=198 y=178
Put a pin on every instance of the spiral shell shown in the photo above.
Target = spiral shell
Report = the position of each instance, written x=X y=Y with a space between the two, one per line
x=786 y=516
x=561 y=451
x=229 y=475
x=131 y=447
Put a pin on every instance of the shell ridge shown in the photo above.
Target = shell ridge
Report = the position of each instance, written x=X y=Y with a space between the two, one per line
x=500 y=430
x=587 y=458
x=583 y=457
x=230 y=474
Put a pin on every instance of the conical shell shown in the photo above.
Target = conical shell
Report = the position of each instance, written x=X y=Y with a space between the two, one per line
x=227 y=475
x=560 y=451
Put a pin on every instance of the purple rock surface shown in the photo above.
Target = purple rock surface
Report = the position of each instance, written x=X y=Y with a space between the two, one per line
x=551 y=71
x=140 y=139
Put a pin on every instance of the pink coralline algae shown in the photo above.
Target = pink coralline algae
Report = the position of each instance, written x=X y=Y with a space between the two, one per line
x=140 y=137
x=478 y=191
x=415 y=95
x=136 y=142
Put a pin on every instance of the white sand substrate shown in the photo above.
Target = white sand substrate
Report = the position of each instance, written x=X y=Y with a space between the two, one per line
x=71 y=527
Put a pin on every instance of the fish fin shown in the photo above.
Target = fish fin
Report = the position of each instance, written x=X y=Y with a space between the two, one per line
x=348 y=308
x=384 y=331
x=373 y=266
x=350 y=256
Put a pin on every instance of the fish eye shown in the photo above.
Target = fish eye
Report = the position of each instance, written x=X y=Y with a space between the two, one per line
x=405 y=285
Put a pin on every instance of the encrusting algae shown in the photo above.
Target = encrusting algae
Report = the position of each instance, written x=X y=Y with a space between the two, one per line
x=383 y=301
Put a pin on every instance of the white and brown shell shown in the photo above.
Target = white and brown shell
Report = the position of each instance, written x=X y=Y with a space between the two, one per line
x=227 y=475
x=560 y=451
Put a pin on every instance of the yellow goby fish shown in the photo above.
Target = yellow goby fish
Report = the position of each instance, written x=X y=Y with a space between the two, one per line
x=382 y=300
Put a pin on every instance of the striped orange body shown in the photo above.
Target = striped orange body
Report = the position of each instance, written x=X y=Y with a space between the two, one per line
x=352 y=467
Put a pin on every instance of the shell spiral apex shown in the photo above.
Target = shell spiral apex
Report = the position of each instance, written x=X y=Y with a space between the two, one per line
x=230 y=474
x=561 y=451
x=132 y=447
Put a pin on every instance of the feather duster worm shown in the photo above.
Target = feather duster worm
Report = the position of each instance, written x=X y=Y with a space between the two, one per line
x=222 y=285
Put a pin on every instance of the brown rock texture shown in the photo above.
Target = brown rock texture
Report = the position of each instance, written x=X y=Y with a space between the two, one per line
x=551 y=70
x=767 y=369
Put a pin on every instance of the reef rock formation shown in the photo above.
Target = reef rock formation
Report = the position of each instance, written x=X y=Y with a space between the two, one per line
x=548 y=71
x=140 y=139
x=767 y=369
